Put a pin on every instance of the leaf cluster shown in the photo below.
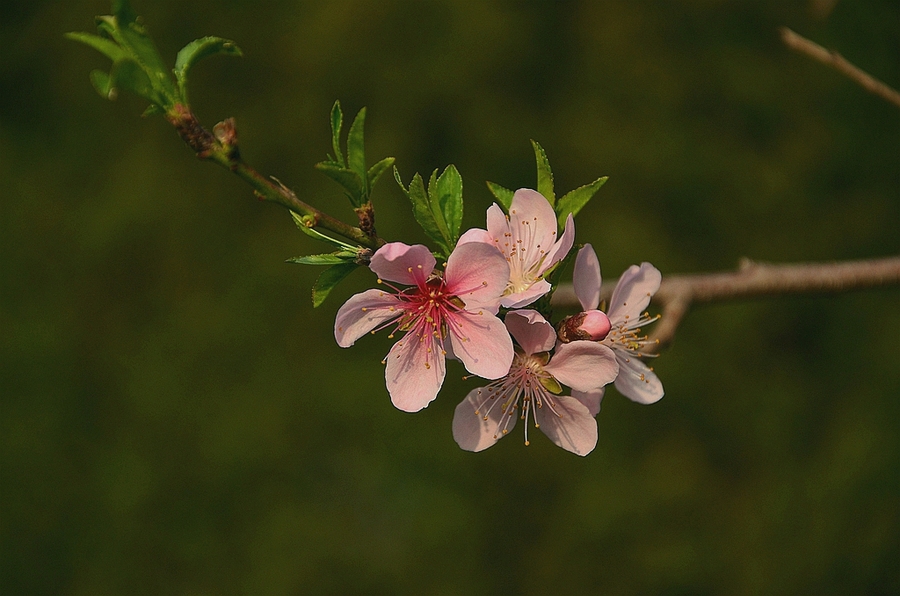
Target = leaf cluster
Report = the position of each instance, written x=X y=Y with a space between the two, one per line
x=136 y=64
x=572 y=202
x=439 y=208
x=350 y=171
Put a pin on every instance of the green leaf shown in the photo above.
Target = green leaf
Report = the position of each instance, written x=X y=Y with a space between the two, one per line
x=377 y=170
x=137 y=65
x=152 y=110
x=346 y=178
x=574 y=200
x=129 y=76
x=422 y=211
x=544 y=174
x=105 y=46
x=329 y=279
x=356 y=151
x=102 y=84
x=123 y=11
x=335 y=258
x=450 y=200
x=436 y=211
x=503 y=195
x=337 y=123
x=196 y=51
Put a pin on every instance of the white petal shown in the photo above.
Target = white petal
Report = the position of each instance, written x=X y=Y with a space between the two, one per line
x=476 y=421
x=633 y=292
x=559 y=250
x=532 y=223
x=586 y=278
x=574 y=428
x=591 y=399
x=526 y=297
x=637 y=382
x=583 y=365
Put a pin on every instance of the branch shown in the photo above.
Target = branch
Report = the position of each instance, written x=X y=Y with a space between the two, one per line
x=221 y=147
x=678 y=293
x=798 y=43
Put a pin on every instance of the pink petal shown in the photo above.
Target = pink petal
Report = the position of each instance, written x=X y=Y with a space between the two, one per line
x=531 y=331
x=633 y=292
x=481 y=341
x=591 y=399
x=477 y=273
x=574 y=428
x=477 y=419
x=415 y=371
x=637 y=382
x=586 y=278
x=476 y=235
x=533 y=221
x=402 y=263
x=559 y=250
x=362 y=313
x=583 y=365
x=526 y=297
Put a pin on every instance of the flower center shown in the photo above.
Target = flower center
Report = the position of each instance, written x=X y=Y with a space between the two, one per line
x=526 y=381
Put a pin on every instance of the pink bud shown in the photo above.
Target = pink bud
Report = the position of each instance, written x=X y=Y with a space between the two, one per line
x=595 y=324
x=590 y=325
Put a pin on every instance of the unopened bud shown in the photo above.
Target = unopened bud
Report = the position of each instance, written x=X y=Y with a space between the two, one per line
x=591 y=325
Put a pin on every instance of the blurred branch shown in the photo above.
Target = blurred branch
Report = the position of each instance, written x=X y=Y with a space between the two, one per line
x=678 y=293
x=221 y=147
x=800 y=44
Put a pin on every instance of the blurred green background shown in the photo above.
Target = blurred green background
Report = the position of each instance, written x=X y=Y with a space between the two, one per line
x=177 y=419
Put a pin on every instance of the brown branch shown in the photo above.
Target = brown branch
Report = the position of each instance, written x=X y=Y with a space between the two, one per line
x=678 y=293
x=800 y=44
x=221 y=147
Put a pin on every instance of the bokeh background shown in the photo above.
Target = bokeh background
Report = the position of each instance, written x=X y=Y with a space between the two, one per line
x=177 y=419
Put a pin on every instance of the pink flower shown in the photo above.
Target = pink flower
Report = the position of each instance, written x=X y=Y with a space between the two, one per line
x=527 y=239
x=460 y=304
x=626 y=313
x=488 y=413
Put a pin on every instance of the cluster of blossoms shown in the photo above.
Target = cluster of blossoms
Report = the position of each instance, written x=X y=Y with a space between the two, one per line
x=456 y=313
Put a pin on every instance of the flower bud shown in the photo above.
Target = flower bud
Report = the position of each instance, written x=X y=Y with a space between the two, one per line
x=590 y=325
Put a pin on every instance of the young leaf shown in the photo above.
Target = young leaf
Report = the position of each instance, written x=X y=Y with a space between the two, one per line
x=377 y=170
x=301 y=223
x=436 y=211
x=503 y=195
x=544 y=174
x=337 y=123
x=329 y=279
x=102 y=84
x=196 y=51
x=356 y=152
x=128 y=75
x=105 y=46
x=574 y=200
x=449 y=199
x=335 y=258
x=422 y=210
x=346 y=178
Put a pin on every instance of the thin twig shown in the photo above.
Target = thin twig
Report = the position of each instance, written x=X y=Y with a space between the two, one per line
x=831 y=58
x=678 y=293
